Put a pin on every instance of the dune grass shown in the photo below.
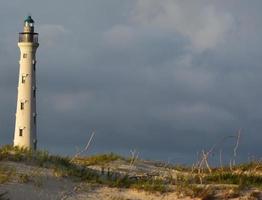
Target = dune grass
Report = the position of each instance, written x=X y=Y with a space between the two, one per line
x=243 y=176
x=65 y=167
x=101 y=159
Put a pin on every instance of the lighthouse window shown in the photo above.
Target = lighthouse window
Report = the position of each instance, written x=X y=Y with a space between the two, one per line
x=23 y=79
x=20 y=132
x=25 y=55
x=22 y=106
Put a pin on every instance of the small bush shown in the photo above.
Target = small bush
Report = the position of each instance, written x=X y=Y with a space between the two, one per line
x=6 y=174
x=23 y=178
x=243 y=180
x=97 y=159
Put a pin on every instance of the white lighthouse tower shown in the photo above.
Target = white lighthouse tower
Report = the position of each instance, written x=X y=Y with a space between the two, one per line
x=25 y=125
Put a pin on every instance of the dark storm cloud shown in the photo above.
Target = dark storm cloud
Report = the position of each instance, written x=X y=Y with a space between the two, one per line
x=165 y=77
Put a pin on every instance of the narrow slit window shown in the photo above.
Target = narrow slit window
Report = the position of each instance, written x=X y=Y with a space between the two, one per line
x=35 y=143
x=25 y=55
x=22 y=105
x=34 y=66
x=34 y=118
x=34 y=92
x=21 y=132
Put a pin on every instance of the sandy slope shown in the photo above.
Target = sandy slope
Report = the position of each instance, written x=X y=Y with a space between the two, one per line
x=106 y=193
x=44 y=185
x=56 y=190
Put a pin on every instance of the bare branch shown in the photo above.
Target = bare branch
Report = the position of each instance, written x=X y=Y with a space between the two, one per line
x=236 y=146
x=220 y=159
x=134 y=157
x=86 y=147
x=205 y=157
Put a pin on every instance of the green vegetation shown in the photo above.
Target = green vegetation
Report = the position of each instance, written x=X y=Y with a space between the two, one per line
x=185 y=181
x=251 y=166
x=23 y=178
x=39 y=158
x=64 y=167
x=97 y=159
x=5 y=174
x=243 y=180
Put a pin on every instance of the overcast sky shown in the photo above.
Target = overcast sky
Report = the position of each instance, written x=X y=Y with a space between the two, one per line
x=165 y=77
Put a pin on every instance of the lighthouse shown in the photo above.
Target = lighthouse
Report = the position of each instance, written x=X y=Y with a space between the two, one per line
x=26 y=116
